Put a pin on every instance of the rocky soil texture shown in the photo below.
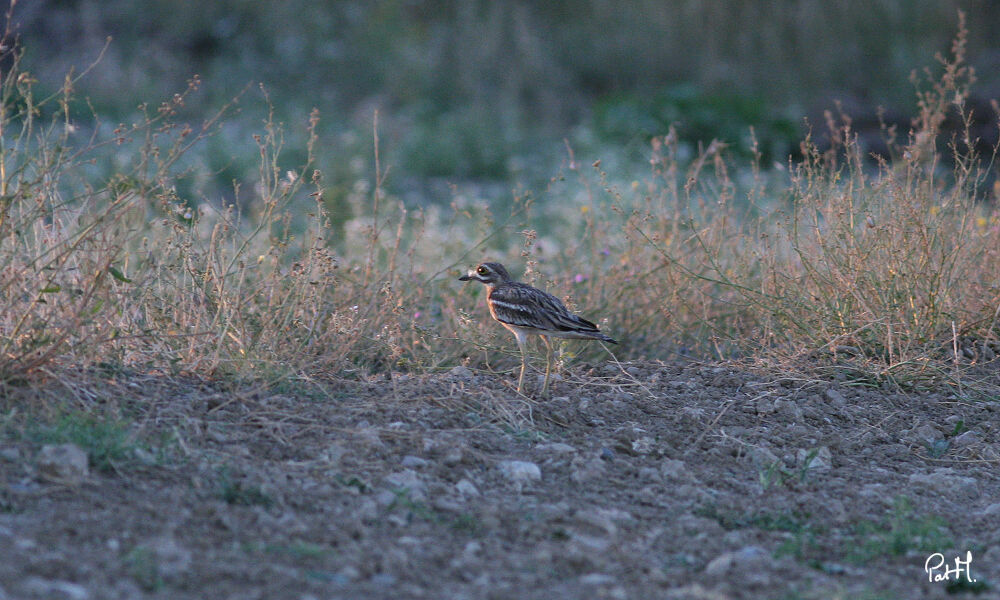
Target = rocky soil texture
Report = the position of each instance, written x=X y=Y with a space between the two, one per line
x=642 y=480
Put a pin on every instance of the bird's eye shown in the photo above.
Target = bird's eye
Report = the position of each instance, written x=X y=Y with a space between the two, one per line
x=481 y=270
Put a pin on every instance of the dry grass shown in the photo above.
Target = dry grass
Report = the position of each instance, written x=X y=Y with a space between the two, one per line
x=889 y=265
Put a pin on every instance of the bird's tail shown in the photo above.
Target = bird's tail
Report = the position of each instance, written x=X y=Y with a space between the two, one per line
x=600 y=336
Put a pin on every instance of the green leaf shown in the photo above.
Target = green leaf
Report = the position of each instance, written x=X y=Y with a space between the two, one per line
x=118 y=275
x=938 y=448
x=50 y=289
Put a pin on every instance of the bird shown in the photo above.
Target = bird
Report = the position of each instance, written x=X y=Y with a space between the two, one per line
x=526 y=310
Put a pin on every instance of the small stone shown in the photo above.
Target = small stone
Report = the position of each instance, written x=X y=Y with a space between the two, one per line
x=467 y=488
x=673 y=469
x=461 y=372
x=552 y=378
x=822 y=460
x=368 y=510
x=54 y=589
x=946 y=481
x=965 y=439
x=409 y=481
x=586 y=468
x=789 y=410
x=926 y=433
x=992 y=510
x=762 y=457
x=694 y=592
x=585 y=549
x=597 y=579
x=25 y=544
x=877 y=492
x=520 y=471
x=10 y=454
x=835 y=397
x=172 y=559
x=748 y=558
x=369 y=437
x=383 y=580
x=453 y=457
x=413 y=462
x=765 y=405
x=643 y=445
x=650 y=474
x=446 y=450
x=557 y=448
x=446 y=505
x=145 y=456
x=398 y=519
x=63 y=463
x=332 y=454
x=595 y=523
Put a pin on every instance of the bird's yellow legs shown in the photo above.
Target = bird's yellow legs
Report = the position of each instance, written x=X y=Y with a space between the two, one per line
x=548 y=365
x=521 y=339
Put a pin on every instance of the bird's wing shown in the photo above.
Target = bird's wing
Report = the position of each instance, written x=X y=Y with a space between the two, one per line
x=524 y=306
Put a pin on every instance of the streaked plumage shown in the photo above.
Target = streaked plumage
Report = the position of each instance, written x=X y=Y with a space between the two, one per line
x=525 y=310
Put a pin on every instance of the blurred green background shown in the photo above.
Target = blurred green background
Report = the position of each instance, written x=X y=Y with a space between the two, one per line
x=491 y=94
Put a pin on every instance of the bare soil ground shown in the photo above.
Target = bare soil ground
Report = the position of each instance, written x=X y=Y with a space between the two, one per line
x=645 y=480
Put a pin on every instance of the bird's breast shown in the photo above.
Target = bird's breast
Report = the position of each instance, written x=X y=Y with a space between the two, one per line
x=489 y=301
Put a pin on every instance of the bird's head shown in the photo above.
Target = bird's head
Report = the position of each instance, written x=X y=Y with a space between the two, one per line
x=490 y=273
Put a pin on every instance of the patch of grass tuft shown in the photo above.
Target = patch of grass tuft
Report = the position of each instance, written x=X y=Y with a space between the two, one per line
x=143 y=567
x=905 y=531
x=109 y=443
x=764 y=520
x=233 y=491
x=962 y=586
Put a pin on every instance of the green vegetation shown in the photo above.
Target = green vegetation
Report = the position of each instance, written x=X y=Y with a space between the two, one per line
x=473 y=90
x=144 y=568
x=110 y=443
x=235 y=491
x=760 y=519
x=295 y=549
x=776 y=473
x=464 y=522
x=903 y=532
x=960 y=586
x=698 y=117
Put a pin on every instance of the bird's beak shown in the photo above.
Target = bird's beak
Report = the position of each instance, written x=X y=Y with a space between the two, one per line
x=464 y=278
